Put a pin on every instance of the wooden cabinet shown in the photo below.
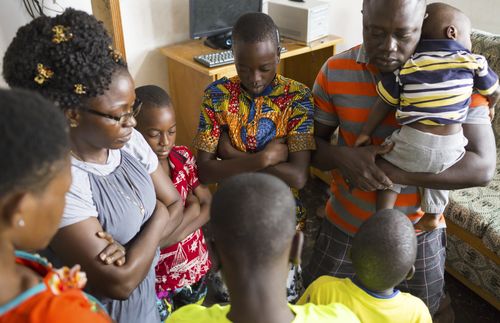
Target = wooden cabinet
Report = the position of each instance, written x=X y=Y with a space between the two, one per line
x=188 y=79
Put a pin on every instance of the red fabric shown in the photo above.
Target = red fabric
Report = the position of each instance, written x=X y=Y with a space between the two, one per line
x=185 y=262
x=51 y=301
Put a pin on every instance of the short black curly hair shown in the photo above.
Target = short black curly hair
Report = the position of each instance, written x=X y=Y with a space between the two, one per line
x=86 y=58
x=384 y=250
x=34 y=139
x=255 y=27
x=153 y=95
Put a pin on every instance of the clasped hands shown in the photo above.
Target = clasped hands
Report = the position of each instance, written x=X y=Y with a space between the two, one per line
x=357 y=165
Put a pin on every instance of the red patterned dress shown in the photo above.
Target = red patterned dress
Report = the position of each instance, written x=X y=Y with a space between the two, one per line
x=186 y=262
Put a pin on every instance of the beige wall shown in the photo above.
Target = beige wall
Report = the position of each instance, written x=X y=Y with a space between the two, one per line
x=151 y=24
x=13 y=15
x=484 y=14
x=148 y=25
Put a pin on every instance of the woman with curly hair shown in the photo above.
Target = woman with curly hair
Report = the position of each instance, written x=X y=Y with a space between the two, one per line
x=69 y=59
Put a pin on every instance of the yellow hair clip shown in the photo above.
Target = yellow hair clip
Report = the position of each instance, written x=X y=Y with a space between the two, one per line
x=79 y=89
x=116 y=55
x=43 y=74
x=61 y=34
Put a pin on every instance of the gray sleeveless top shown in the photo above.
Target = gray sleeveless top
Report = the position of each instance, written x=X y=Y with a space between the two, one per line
x=119 y=214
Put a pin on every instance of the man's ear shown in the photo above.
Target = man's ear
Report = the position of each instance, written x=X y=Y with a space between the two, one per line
x=296 y=249
x=411 y=273
x=452 y=32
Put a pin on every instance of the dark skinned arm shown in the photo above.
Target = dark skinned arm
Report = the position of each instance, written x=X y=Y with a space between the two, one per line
x=168 y=195
x=357 y=164
x=476 y=168
x=196 y=214
x=377 y=113
x=78 y=244
x=294 y=171
x=114 y=252
x=212 y=170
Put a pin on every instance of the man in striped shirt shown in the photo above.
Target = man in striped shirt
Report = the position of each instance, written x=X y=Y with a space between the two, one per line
x=431 y=94
x=345 y=89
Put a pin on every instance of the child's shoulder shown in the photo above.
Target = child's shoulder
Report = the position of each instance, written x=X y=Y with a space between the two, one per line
x=286 y=85
x=183 y=150
x=416 y=305
x=223 y=82
x=329 y=281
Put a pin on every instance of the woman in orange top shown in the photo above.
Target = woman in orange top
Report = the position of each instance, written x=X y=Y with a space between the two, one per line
x=34 y=178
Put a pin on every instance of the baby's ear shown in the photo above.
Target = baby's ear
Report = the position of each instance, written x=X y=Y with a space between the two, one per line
x=296 y=249
x=452 y=32
x=410 y=273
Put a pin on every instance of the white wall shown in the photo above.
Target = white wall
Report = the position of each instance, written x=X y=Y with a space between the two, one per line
x=151 y=24
x=484 y=14
x=14 y=15
x=147 y=26
x=346 y=22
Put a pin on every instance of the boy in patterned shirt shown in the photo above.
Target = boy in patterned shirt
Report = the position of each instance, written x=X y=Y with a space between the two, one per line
x=257 y=121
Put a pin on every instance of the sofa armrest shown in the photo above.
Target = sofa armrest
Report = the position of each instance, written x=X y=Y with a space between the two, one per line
x=488 y=45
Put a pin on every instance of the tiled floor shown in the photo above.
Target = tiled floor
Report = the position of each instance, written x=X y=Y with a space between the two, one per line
x=468 y=307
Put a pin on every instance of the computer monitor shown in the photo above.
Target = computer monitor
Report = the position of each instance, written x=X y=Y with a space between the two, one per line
x=214 y=19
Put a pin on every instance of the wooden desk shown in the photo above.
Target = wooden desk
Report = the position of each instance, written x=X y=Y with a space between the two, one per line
x=188 y=79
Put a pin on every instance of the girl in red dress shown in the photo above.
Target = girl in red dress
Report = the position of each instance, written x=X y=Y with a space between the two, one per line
x=181 y=270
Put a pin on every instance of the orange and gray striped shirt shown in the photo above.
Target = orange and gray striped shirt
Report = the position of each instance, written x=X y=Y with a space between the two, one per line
x=344 y=92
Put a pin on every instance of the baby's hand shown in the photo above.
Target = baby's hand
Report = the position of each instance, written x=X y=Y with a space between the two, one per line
x=362 y=140
x=428 y=222
x=492 y=113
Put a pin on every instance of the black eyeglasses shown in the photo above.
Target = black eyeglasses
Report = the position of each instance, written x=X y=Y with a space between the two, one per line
x=136 y=108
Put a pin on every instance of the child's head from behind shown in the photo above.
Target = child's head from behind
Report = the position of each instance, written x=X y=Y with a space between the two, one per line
x=447 y=22
x=256 y=51
x=156 y=121
x=35 y=166
x=253 y=224
x=384 y=250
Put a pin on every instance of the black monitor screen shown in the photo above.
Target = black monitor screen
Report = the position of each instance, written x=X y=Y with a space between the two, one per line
x=212 y=17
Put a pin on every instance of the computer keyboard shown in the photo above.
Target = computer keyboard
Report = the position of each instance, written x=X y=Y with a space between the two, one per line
x=219 y=58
